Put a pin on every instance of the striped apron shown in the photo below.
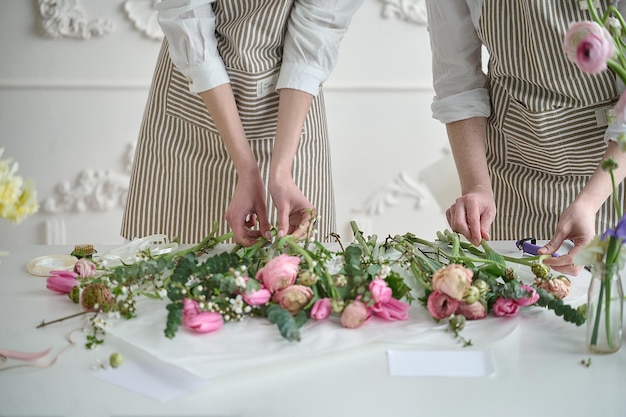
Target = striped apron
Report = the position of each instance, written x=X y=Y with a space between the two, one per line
x=183 y=178
x=545 y=136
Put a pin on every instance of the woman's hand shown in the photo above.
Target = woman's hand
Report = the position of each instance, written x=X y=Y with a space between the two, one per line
x=472 y=214
x=296 y=214
x=247 y=207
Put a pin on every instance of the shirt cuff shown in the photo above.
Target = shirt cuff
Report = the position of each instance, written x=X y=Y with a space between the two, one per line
x=461 y=106
x=205 y=76
x=301 y=77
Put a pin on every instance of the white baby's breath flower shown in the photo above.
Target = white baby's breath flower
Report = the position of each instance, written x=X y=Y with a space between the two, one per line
x=240 y=281
x=334 y=264
x=162 y=293
x=237 y=304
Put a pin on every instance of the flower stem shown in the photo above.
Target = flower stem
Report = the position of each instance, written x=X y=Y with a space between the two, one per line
x=71 y=316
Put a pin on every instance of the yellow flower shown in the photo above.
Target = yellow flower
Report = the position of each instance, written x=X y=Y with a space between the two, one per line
x=18 y=198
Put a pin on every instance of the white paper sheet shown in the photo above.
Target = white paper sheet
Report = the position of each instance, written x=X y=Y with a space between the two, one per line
x=451 y=363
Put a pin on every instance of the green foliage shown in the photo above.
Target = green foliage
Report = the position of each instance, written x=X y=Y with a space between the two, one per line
x=174 y=318
x=287 y=324
x=570 y=314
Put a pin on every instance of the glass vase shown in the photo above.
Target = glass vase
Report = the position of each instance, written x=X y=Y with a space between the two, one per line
x=605 y=304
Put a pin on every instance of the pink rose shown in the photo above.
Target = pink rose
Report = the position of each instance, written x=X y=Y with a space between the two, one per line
x=61 y=281
x=85 y=268
x=200 y=321
x=293 y=298
x=381 y=292
x=440 y=305
x=589 y=46
x=505 y=307
x=280 y=272
x=473 y=311
x=531 y=298
x=321 y=309
x=354 y=315
x=258 y=297
x=558 y=287
x=391 y=310
x=453 y=280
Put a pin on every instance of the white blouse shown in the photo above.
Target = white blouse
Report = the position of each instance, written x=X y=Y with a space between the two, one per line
x=310 y=51
x=458 y=78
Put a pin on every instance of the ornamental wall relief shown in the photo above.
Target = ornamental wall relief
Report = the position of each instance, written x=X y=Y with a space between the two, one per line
x=67 y=19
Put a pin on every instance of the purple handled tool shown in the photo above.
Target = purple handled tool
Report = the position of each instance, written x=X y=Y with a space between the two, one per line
x=529 y=246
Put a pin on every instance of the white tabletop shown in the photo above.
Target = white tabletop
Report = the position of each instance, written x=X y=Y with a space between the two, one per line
x=538 y=371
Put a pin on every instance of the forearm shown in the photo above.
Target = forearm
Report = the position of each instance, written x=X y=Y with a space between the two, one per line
x=292 y=110
x=467 y=141
x=599 y=187
x=220 y=103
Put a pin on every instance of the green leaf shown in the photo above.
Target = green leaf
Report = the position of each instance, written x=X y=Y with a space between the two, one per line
x=286 y=323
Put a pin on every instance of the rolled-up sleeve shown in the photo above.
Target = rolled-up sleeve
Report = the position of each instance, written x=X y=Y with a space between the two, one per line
x=458 y=79
x=311 y=50
x=189 y=26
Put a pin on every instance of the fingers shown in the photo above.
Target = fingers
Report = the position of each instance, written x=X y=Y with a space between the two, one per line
x=564 y=264
x=468 y=220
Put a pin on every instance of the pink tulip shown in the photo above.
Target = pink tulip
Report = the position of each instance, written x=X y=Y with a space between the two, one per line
x=505 y=307
x=440 y=305
x=321 y=309
x=381 y=292
x=473 y=311
x=293 y=298
x=589 y=46
x=258 y=297
x=199 y=321
x=354 y=315
x=62 y=281
x=453 y=280
x=84 y=268
x=530 y=299
x=280 y=272
x=391 y=310
x=203 y=322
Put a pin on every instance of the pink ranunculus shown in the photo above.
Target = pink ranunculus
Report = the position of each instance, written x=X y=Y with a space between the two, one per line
x=505 y=307
x=473 y=311
x=619 y=111
x=453 y=280
x=321 y=309
x=530 y=299
x=85 y=268
x=62 y=281
x=293 y=298
x=440 y=305
x=354 y=315
x=280 y=272
x=258 y=297
x=203 y=322
x=381 y=293
x=589 y=46
x=391 y=310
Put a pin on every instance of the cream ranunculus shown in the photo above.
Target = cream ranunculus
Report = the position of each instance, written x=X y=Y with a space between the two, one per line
x=453 y=280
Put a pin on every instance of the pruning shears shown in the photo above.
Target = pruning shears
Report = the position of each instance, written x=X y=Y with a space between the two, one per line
x=529 y=246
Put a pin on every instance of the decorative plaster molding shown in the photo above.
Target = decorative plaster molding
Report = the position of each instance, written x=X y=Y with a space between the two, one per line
x=413 y=11
x=401 y=187
x=66 y=19
x=92 y=190
x=143 y=14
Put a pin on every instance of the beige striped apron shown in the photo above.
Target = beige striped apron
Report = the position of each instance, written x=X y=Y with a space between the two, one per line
x=183 y=178
x=543 y=137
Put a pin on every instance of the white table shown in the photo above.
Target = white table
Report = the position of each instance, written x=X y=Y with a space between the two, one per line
x=538 y=372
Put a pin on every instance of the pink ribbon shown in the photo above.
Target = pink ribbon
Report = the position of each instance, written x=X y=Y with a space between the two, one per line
x=23 y=356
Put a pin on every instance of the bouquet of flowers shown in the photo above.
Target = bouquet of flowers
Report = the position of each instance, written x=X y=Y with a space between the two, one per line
x=285 y=281
x=464 y=282
x=593 y=46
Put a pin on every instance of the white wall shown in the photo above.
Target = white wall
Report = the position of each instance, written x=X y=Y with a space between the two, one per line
x=70 y=111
